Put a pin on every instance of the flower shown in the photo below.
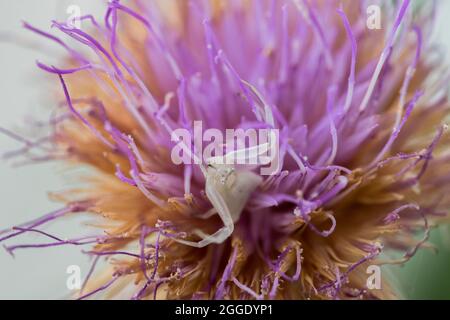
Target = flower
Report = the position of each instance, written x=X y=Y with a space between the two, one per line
x=364 y=153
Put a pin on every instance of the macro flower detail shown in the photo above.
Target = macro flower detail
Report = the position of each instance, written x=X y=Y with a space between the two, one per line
x=363 y=146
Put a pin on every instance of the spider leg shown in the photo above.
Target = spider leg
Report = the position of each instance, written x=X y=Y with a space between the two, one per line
x=208 y=214
x=194 y=244
x=218 y=237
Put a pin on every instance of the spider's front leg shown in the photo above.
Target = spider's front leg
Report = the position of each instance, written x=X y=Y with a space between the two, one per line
x=208 y=214
x=217 y=237
x=220 y=206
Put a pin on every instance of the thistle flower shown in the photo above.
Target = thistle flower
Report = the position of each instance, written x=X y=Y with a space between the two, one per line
x=364 y=155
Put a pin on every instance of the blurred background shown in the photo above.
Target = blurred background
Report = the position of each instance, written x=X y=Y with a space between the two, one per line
x=25 y=92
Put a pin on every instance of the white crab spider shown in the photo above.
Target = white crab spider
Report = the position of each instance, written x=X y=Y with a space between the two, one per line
x=227 y=188
x=228 y=191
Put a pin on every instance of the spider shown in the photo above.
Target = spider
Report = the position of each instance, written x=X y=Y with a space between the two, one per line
x=227 y=188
